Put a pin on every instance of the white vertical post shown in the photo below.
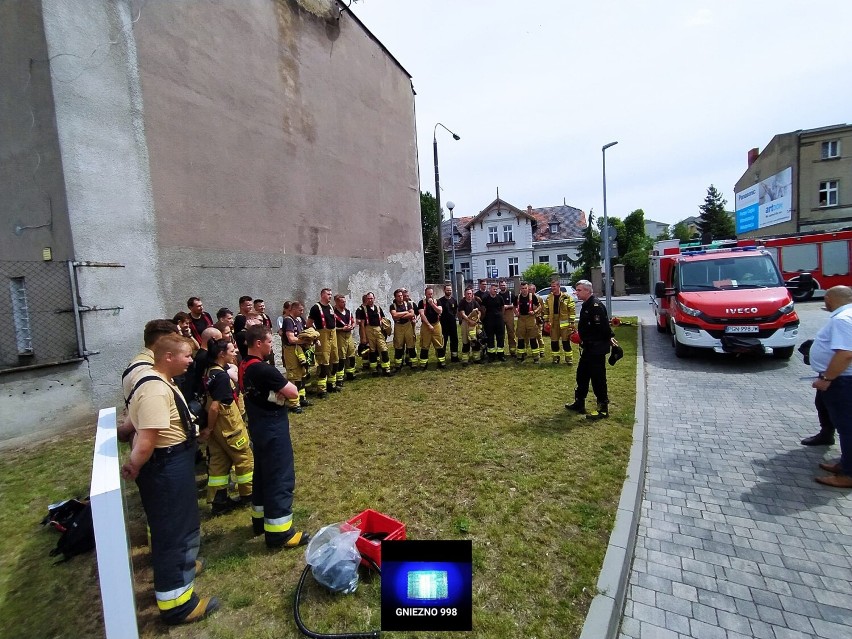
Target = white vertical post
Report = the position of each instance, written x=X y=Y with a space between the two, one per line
x=114 y=568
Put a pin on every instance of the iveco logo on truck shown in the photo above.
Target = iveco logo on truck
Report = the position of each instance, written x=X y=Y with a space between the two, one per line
x=736 y=311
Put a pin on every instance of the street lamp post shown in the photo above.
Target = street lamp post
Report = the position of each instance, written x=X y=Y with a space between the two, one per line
x=607 y=265
x=438 y=193
x=451 y=205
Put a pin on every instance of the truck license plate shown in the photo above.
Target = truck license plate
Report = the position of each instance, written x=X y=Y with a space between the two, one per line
x=742 y=329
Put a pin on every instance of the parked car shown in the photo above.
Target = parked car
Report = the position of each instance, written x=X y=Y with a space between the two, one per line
x=545 y=293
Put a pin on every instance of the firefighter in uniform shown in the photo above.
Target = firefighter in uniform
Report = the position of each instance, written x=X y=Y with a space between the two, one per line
x=596 y=337
x=449 y=322
x=228 y=444
x=469 y=315
x=492 y=306
x=526 y=306
x=509 y=302
x=404 y=339
x=369 y=316
x=293 y=355
x=482 y=291
x=346 y=346
x=274 y=470
x=539 y=322
x=162 y=462
x=559 y=311
x=430 y=330
x=321 y=317
x=141 y=365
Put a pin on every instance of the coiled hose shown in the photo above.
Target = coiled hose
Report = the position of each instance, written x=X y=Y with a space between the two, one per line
x=371 y=634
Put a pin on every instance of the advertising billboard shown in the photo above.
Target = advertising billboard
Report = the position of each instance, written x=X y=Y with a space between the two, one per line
x=766 y=203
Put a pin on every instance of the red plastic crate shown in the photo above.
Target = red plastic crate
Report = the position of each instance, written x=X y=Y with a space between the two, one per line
x=371 y=521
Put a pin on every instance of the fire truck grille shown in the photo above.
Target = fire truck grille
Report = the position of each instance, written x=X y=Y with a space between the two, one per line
x=717 y=334
x=738 y=321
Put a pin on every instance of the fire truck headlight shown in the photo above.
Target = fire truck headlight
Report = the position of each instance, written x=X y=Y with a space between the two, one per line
x=689 y=311
x=786 y=309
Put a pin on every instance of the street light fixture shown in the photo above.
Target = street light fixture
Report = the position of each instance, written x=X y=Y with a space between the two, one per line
x=438 y=193
x=607 y=265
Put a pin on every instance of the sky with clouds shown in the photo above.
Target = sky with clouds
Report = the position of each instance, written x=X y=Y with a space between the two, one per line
x=535 y=89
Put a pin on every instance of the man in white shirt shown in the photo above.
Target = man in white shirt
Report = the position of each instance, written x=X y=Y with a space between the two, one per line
x=831 y=359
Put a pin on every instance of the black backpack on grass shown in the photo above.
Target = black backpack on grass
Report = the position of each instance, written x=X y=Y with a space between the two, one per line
x=73 y=518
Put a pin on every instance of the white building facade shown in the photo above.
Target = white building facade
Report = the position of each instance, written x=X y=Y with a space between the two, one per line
x=502 y=241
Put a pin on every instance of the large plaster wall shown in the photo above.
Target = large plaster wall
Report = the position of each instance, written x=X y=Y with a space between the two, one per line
x=282 y=151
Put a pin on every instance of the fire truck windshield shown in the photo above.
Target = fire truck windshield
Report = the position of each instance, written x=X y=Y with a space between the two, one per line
x=722 y=273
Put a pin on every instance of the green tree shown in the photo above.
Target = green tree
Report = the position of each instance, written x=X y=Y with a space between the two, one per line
x=681 y=232
x=636 y=258
x=634 y=229
x=714 y=219
x=665 y=234
x=539 y=274
x=429 y=220
x=589 y=251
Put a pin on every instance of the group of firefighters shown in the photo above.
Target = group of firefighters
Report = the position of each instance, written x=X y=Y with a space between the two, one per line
x=488 y=318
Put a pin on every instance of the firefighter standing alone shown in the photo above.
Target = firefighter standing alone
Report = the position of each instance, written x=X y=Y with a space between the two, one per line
x=596 y=337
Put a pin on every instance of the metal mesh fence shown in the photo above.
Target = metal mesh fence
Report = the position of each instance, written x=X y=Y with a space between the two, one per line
x=37 y=325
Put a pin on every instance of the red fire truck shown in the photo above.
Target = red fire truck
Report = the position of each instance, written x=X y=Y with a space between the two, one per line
x=727 y=296
x=825 y=255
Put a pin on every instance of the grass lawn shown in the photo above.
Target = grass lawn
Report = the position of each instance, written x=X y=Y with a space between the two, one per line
x=486 y=453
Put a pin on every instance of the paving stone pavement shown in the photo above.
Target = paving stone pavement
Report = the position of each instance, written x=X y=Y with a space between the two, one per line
x=735 y=538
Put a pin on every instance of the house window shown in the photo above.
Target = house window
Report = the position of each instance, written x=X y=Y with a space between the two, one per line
x=21 y=315
x=828 y=193
x=491 y=268
x=513 y=267
x=544 y=259
x=554 y=227
x=492 y=235
x=507 y=233
x=464 y=267
x=830 y=150
x=562 y=263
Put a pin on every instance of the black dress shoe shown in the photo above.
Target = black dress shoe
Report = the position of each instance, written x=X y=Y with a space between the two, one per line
x=822 y=438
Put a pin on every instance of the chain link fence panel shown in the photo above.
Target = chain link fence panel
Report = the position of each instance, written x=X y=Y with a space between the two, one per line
x=37 y=324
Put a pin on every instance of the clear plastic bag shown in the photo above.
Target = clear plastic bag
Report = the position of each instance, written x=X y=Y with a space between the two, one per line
x=334 y=558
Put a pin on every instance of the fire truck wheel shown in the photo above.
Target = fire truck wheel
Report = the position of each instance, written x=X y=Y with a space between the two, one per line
x=783 y=353
x=661 y=329
x=802 y=296
x=681 y=350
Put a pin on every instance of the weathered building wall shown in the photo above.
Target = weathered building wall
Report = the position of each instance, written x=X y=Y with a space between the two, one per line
x=281 y=144
x=815 y=169
x=781 y=152
x=217 y=149
x=105 y=162
x=34 y=217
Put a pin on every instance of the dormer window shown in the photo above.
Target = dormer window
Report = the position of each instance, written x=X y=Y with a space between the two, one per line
x=554 y=227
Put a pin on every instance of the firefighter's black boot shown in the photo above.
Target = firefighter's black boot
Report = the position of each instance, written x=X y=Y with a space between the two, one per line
x=579 y=406
x=601 y=413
